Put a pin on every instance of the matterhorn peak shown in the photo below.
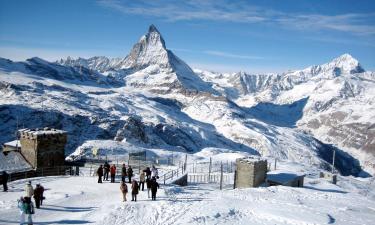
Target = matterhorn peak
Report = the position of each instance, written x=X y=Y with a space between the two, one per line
x=152 y=28
x=150 y=49
x=346 y=63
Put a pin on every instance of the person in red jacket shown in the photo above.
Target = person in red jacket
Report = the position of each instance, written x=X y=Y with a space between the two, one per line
x=113 y=173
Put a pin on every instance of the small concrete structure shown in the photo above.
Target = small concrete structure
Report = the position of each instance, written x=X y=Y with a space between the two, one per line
x=181 y=181
x=12 y=146
x=43 y=147
x=329 y=176
x=250 y=172
x=285 y=178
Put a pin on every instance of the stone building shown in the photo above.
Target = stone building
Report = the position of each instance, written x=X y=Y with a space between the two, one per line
x=43 y=147
x=250 y=172
x=285 y=178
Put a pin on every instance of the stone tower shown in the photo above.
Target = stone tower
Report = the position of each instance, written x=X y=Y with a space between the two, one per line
x=43 y=147
x=250 y=172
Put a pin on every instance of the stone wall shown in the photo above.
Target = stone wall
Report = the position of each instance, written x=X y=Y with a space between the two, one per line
x=43 y=148
x=250 y=172
x=28 y=150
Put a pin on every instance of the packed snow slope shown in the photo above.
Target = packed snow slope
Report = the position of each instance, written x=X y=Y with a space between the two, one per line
x=152 y=99
x=80 y=200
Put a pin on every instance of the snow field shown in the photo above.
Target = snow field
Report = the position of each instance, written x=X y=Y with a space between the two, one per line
x=80 y=200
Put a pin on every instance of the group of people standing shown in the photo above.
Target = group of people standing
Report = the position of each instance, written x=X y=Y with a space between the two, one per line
x=148 y=176
x=25 y=204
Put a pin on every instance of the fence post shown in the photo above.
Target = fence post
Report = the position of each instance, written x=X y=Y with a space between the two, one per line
x=185 y=163
x=139 y=166
x=209 y=170
x=221 y=176
x=275 y=163
x=164 y=179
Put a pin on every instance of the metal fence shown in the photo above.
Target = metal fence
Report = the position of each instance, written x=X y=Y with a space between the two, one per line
x=47 y=171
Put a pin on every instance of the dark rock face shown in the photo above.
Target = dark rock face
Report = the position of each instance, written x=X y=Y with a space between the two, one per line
x=79 y=128
x=176 y=137
x=133 y=130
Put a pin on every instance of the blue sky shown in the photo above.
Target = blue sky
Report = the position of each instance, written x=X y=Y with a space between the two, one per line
x=220 y=35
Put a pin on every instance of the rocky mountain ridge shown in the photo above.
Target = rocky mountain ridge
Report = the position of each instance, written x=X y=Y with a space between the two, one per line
x=153 y=99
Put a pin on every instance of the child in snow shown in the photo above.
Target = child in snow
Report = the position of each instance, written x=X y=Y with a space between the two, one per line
x=148 y=185
x=135 y=189
x=124 y=190
x=22 y=208
x=29 y=210
x=154 y=188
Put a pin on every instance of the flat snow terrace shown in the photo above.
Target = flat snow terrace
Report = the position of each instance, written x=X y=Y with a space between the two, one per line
x=80 y=200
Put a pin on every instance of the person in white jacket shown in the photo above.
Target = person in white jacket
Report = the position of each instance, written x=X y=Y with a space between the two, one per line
x=29 y=190
x=154 y=172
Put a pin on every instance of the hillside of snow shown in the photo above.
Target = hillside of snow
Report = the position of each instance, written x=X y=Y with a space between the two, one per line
x=81 y=200
x=153 y=100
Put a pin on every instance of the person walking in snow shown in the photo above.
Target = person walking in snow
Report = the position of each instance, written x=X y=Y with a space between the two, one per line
x=135 y=188
x=123 y=173
x=124 y=190
x=22 y=207
x=148 y=172
x=130 y=174
x=142 y=181
x=148 y=185
x=99 y=172
x=29 y=210
x=154 y=172
x=29 y=191
x=154 y=188
x=113 y=173
x=4 y=178
x=106 y=170
x=38 y=195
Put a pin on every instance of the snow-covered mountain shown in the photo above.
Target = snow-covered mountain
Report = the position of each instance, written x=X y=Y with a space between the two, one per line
x=149 y=65
x=334 y=102
x=153 y=99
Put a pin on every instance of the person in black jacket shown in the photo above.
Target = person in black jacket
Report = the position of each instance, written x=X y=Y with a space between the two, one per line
x=106 y=170
x=5 y=177
x=130 y=174
x=123 y=173
x=100 y=173
x=154 y=188
x=38 y=195
x=148 y=172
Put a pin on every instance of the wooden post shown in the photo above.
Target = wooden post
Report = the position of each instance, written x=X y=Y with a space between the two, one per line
x=209 y=170
x=164 y=178
x=221 y=176
x=275 y=163
x=333 y=161
x=185 y=163
x=139 y=166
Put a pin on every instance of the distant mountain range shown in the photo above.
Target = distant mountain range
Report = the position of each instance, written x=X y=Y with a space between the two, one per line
x=153 y=99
